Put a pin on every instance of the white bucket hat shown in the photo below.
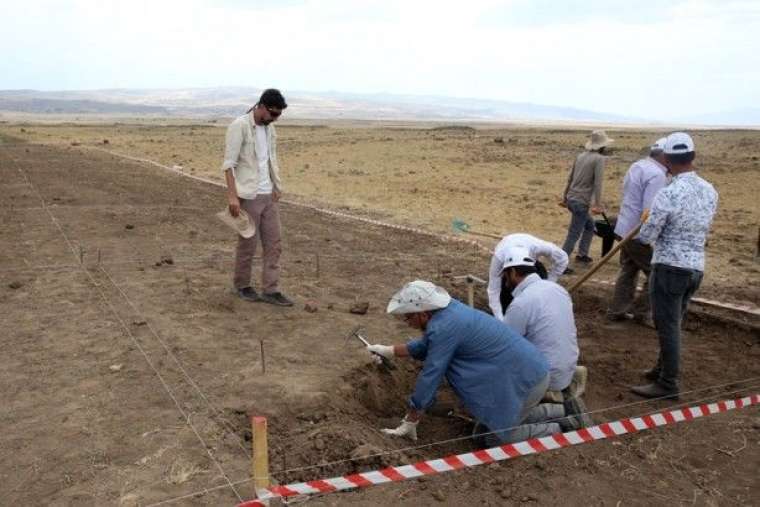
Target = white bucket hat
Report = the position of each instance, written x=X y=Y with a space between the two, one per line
x=598 y=140
x=517 y=256
x=418 y=296
x=242 y=224
x=679 y=142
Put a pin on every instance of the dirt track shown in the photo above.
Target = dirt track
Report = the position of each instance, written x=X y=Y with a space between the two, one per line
x=128 y=380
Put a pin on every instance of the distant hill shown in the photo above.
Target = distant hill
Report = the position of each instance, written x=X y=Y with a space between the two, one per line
x=745 y=117
x=230 y=101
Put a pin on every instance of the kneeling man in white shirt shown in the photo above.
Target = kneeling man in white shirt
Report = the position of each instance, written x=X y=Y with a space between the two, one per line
x=542 y=311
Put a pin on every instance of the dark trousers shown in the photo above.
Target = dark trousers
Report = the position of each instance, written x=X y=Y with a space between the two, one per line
x=670 y=290
x=635 y=257
x=505 y=296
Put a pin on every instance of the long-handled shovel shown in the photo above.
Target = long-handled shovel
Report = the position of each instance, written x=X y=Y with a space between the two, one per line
x=604 y=259
x=459 y=225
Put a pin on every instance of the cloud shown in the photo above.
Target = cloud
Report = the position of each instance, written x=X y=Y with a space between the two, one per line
x=660 y=59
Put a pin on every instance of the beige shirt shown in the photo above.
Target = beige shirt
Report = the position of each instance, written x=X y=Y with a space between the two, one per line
x=585 y=181
x=240 y=156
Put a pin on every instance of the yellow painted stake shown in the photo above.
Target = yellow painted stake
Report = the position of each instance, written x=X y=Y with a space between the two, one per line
x=260 y=461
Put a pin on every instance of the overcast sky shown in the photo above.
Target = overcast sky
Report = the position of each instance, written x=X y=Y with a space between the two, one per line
x=653 y=59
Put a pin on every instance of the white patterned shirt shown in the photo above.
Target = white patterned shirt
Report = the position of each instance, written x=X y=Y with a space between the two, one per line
x=679 y=222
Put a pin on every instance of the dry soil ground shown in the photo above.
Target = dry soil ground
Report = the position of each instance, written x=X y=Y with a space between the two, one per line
x=428 y=175
x=128 y=378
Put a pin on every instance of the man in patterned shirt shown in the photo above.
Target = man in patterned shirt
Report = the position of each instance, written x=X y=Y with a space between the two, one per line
x=677 y=225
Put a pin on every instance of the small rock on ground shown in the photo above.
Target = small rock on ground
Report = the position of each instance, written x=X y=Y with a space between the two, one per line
x=359 y=308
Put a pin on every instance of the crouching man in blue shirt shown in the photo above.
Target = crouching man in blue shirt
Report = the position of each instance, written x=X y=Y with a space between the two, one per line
x=497 y=374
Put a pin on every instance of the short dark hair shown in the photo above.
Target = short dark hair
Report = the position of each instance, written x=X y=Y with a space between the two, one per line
x=680 y=158
x=271 y=97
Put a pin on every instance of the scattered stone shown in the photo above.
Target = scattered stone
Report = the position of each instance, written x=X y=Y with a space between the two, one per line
x=359 y=308
x=528 y=498
x=105 y=141
x=139 y=323
x=167 y=259
x=505 y=493
x=306 y=166
x=756 y=423
x=364 y=451
x=319 y=444
x=75 y=143
x=330 y=306
x=115 y=367
x=439 y=495
x=311 y=307
x=15 y=285
x=129 y=227
x=23 y=129
x=498 y=140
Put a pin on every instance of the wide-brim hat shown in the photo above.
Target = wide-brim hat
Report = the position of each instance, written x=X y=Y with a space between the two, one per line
x=418 y=296
x=598 y=140
x=242 y=224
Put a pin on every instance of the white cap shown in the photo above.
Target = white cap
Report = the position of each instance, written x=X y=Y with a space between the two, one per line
x=517 y=256
x=418 y=296
x=679 y=142
x=659 y=145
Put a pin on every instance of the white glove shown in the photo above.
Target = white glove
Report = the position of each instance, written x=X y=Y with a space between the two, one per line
x=383 y=350
x=407 y=429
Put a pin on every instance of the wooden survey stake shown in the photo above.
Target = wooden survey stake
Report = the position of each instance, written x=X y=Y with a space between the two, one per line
x=260 y=460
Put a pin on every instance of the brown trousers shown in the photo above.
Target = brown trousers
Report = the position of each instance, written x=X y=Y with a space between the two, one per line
x=634 y=257
x=266 y=217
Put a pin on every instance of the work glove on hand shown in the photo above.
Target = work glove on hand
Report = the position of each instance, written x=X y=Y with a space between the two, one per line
x=375 y=351
x=406 y=429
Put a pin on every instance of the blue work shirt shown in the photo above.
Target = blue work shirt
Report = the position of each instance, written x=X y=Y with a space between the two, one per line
x=490 y=367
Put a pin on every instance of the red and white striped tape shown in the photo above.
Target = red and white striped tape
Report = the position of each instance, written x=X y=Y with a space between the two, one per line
x=442 y=237
x=501 y=453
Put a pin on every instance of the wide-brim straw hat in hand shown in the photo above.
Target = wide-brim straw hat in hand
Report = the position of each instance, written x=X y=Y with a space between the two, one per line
x=242 y=224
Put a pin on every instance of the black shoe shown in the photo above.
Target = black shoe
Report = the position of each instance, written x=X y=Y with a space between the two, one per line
x=652 y=375
x=568 y=271
x=276 y=298
x=584 y=259
x=656 y=390
x=576 y=416
x=248 y=294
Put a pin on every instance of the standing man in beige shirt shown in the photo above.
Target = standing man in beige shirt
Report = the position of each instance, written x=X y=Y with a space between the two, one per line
x=253 y=185
x=583 y=192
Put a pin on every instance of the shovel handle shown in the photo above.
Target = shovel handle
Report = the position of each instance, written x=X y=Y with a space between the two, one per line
x=604 y=259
